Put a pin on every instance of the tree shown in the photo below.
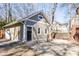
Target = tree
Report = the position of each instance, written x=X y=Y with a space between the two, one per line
x=70 y=8
x=8 y=13
x=53 y=11
x=2 y=23
x=24 y=9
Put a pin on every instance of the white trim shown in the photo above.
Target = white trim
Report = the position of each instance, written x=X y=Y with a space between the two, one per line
x=40 y=15
x=29 y=26
x=24 y=33
x=31 y=15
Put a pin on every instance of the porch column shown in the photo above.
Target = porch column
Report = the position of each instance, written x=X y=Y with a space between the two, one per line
x=24 y=32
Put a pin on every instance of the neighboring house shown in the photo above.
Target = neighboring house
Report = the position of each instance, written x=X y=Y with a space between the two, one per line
x=63 y=28
x=60 y=28
x=31 y=28
x=60 y=31
x=74 y=25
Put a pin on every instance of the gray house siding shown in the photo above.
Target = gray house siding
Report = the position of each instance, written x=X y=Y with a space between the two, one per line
x=36 y=17
x=42 y=36
x=35 y=36
x=30 y=23
x=34 y=23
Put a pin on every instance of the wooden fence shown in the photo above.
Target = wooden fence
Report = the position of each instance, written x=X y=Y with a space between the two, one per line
x=1 y=33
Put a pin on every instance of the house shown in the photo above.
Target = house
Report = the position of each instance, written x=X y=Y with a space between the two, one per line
x=60 y=30
x=31 y=28
x=74 y=26
x=63 y=28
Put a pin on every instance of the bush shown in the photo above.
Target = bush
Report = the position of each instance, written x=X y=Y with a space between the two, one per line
x=2 y=24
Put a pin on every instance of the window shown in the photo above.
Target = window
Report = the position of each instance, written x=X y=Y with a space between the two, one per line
x=38 y=30
x=40 y=17
x=45 y=31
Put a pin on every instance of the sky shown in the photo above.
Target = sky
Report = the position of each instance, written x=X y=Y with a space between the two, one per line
x=60 y=14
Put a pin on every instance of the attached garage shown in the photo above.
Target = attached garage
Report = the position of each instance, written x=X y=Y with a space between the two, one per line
x=13 y=31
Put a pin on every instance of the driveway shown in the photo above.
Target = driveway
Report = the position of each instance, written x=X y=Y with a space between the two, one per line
x=53 y=48
x=58 y=48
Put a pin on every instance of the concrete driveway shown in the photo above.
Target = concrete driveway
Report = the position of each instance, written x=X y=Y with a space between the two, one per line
x=53 y=48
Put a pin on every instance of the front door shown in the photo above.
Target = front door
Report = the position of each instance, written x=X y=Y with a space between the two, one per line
x=29 y=33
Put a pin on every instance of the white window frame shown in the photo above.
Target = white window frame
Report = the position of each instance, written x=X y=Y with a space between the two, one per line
x=41 y=16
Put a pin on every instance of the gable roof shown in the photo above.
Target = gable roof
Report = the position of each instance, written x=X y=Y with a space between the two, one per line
x=27 y=17
x=10 y=24
x=33 y=14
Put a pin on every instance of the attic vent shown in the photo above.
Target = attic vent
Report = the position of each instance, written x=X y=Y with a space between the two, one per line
x=40 y=16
